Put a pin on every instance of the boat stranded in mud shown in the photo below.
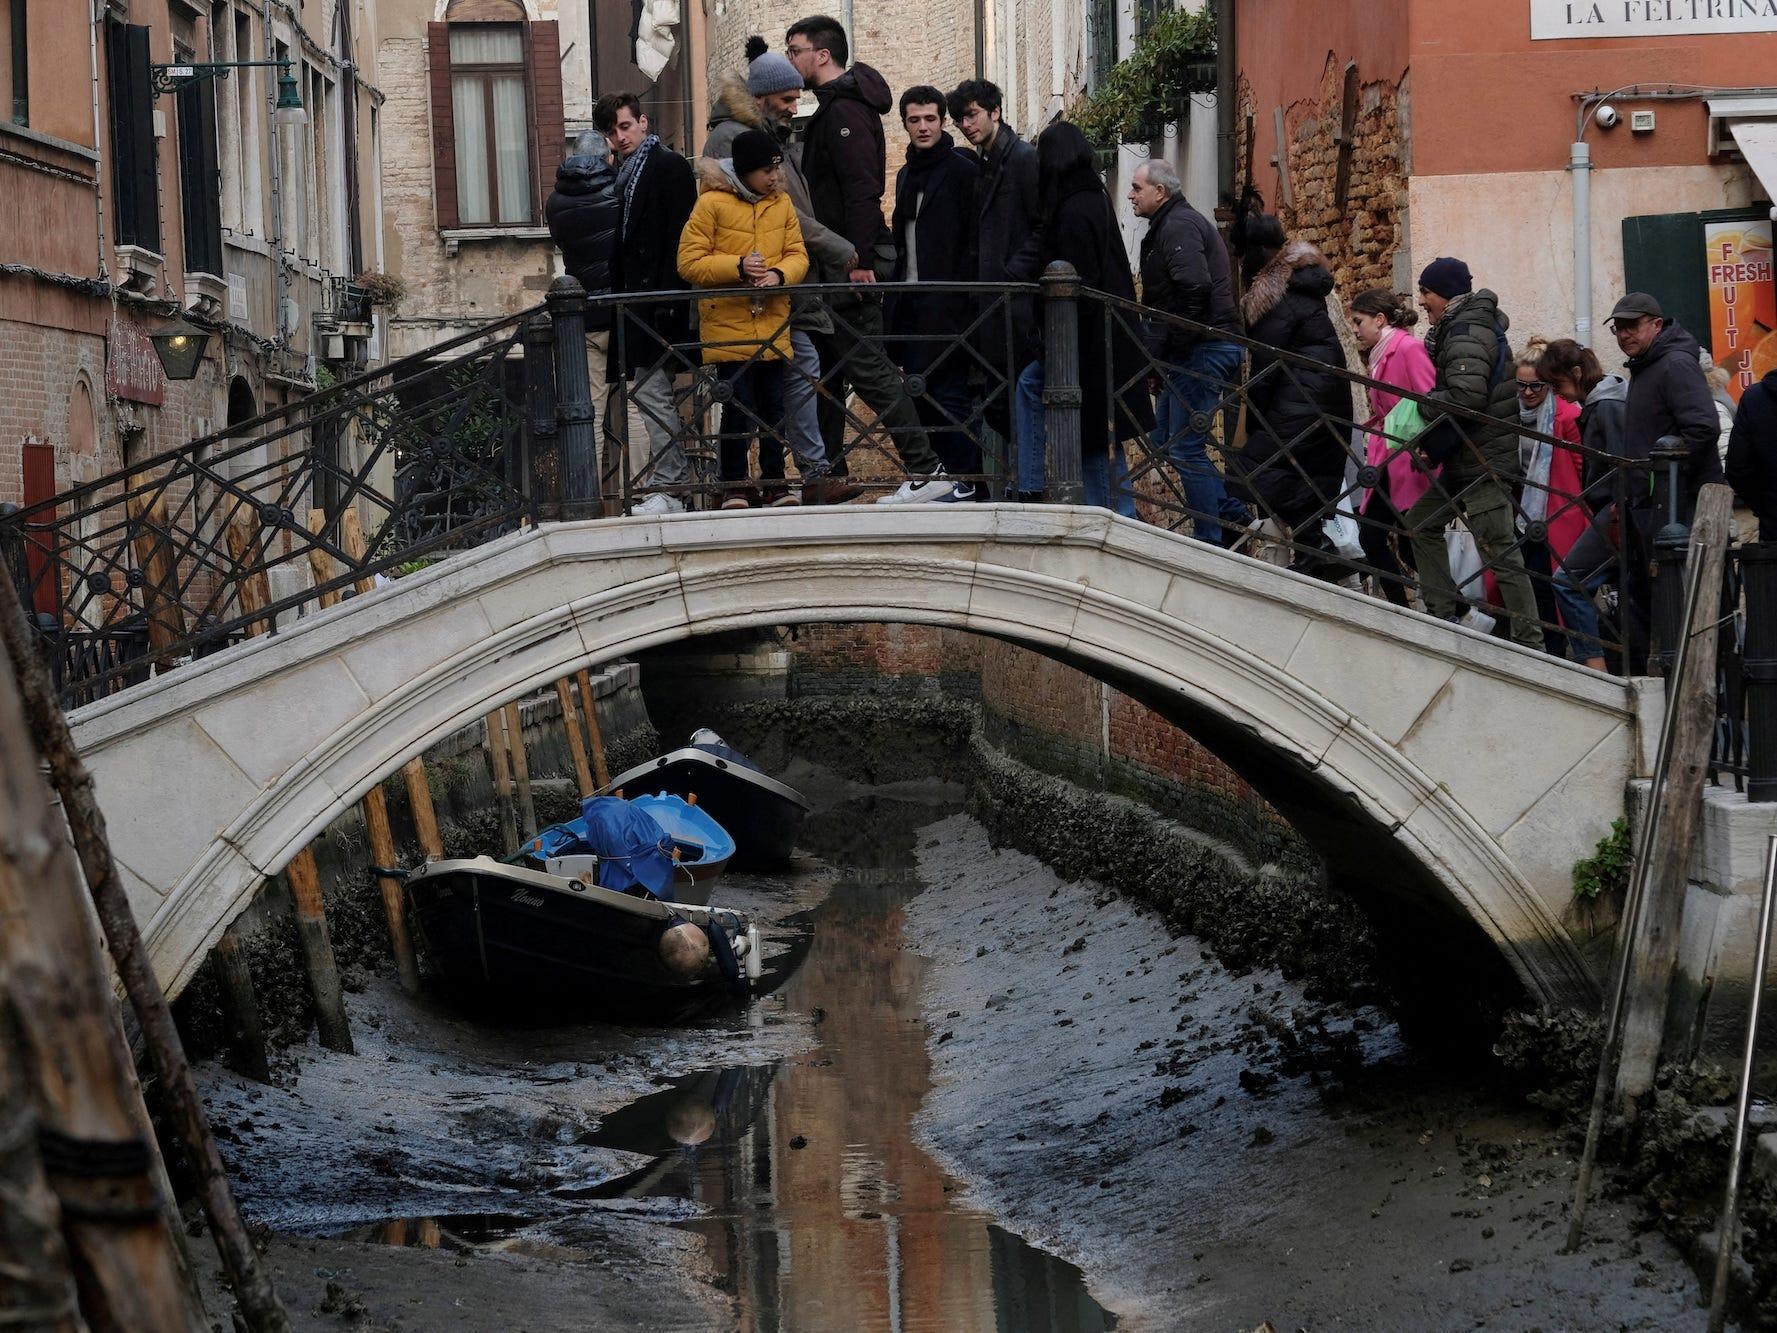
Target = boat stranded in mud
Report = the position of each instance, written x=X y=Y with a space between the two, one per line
x=612 y=910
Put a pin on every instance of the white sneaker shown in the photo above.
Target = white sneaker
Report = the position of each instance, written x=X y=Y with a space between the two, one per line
x=920 y=492
x=656 y=505
x=961 y=492
x=1479 y=620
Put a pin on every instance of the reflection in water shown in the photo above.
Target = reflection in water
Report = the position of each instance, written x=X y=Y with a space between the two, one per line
x=817 y=1208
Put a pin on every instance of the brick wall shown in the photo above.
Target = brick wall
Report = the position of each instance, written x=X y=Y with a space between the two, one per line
x=1043 y=712
x=1361 y=238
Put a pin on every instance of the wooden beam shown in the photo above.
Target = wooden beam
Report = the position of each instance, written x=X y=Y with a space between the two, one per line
x=601 y=774
x=160 y=574
x=321 y=566
x=564 y=694
x=1653 y=954
x=382 y=851
x=521 y=769
x=304 y=878
x=425 y=818
x=495 y=722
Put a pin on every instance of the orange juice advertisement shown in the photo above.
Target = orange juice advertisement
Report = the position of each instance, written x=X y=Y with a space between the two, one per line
x=1742 y=300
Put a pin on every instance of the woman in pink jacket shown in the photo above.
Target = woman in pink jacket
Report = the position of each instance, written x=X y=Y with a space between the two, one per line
x=1381 y=320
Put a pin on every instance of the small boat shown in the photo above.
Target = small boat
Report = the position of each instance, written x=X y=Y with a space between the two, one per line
x=595 y=912
x=763 y=814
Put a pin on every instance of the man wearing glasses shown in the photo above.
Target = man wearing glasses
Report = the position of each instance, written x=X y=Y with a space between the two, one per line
x=1667 y=396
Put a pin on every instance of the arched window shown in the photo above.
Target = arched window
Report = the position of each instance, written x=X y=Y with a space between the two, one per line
x=497 y=126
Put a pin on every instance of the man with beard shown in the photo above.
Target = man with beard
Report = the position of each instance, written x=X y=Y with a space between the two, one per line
x=843 y=159
x=934 y=230
x=766 y=98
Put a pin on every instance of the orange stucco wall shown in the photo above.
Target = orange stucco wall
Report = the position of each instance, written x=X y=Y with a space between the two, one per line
x=1487 y=98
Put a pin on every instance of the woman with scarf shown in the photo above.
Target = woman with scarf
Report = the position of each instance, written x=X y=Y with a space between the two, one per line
x=1382 y=322
x=934 y=228
x=1079 y=227
x=1551 y=515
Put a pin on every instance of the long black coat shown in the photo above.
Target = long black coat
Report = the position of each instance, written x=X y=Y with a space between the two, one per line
x=1298 y=417
x=582 y=217
x=945 y=237
x=1669 y=396
x=647 y=257
x=1009 y=221
x=1084 y=233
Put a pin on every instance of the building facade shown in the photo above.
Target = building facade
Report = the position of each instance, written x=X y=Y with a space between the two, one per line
x=1394 y=131
x=485 y=99
x=123 y=208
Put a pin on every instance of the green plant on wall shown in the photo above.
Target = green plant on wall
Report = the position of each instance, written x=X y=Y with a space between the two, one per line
x=1605 y=873
x=1174 y=58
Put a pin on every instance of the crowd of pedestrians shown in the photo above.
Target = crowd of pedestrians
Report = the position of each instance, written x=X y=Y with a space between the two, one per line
x=1492 y=485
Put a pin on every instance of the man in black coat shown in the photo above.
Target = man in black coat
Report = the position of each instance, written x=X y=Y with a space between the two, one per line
x=581 y=214
x=655 y=191
x=844 y=161
x=1008 y=217
x=1668 y=395
x=934 y=231
x=1184 y=272
x=1752 y=454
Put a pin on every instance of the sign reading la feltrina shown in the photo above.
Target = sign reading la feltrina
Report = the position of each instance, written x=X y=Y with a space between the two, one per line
x=1649 y=18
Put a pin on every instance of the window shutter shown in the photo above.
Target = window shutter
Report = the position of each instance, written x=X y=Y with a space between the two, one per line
x=200 y=194
x=444 y=129
x=134 y=180
x=548 y=120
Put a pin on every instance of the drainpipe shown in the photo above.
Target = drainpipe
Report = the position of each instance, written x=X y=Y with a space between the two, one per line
x=1580 y=165
x=98 y=136
x=1227 y=72
x=981 y=39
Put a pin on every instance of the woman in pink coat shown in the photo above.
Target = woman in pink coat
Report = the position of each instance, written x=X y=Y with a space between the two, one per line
x=1381 y=320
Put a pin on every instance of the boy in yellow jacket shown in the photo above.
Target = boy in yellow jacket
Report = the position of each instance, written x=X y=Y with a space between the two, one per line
x=743 y=233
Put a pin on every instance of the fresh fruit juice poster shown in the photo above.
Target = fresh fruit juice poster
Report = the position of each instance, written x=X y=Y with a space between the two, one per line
x=1742 y=300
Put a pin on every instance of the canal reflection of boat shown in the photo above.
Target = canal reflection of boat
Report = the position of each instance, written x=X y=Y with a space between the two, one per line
x=763 y=814
x=605 y=910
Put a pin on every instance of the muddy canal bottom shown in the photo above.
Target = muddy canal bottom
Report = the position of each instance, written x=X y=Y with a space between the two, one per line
x=801 y=1177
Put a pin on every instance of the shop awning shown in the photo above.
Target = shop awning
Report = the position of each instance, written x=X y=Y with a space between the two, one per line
x=1758 y=141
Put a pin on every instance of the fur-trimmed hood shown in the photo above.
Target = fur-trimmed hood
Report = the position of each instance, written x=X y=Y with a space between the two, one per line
x=1299 y=265
x=732 y=101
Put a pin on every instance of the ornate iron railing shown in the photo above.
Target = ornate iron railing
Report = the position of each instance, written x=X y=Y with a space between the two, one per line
x=1034 y=392
x=191 y=549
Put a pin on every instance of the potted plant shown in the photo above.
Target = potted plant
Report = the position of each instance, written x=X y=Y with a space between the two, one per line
x=381 y=288
x=1152 y=88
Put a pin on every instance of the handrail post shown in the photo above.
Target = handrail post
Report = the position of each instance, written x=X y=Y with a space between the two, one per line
x=540 y=480
x=1061 y=381
x=576 y=438
x=1671 y=544
x=1758 y=664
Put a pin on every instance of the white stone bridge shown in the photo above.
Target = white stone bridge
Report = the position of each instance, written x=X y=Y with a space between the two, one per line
x=1446 y=778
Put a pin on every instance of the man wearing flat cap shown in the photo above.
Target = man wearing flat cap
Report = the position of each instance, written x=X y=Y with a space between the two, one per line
x=1668 y=395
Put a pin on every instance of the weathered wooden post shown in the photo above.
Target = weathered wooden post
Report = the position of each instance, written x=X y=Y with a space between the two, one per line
x=1061 y=381
x=38 y=1291
x=497 y=754
x=304 y=877
x=595 y=738
x=258 y=1304
x=564 y=694
x=159 y=567
x=65 y=1044
x=243 y=1031
x=1654 y=949
x=425 y=818
x=521 y=770
x=576 y=436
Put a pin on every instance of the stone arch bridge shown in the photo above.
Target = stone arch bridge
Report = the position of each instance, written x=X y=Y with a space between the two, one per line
x=1445 y=777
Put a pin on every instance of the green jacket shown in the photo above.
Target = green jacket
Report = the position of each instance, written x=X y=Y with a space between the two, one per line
x=1469 y=350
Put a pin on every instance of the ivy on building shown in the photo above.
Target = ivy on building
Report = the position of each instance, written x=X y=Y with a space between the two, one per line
x=1173 y=58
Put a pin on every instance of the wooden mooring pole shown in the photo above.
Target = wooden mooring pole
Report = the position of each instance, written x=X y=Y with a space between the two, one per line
x=304 y=877
x=125 y=1257
x=595 y=738
x=425 y=818
x=242 y=1030
x=498 y=753
x=564 y=694
x=521 y=769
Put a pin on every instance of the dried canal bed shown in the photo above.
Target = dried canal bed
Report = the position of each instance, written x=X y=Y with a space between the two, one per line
x=936 y=1074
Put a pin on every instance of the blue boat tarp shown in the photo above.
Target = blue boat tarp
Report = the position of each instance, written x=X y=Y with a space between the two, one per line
x=632 y=849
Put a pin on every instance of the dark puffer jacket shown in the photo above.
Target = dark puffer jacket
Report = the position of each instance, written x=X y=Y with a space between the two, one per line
x=1474 y=363
x=1298 y=417
x=1669 y=396
x=582 y=219
x=1184 y=272
x=844 y=159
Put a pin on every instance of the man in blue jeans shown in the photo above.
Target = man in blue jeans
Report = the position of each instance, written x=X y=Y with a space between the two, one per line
x=1184 y=272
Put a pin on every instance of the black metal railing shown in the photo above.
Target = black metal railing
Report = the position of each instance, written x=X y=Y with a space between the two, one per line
x=1039 y=392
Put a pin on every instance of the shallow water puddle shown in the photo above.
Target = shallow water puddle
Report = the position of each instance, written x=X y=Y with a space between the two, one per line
x=817 y=1208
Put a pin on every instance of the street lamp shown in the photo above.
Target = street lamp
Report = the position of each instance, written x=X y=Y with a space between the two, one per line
x=180 y=347
x=288 y=110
